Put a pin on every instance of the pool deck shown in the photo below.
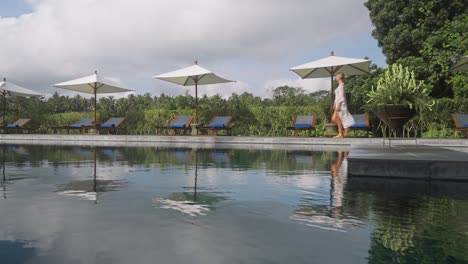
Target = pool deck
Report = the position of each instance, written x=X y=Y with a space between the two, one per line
x=410 y=162
x=215 y=141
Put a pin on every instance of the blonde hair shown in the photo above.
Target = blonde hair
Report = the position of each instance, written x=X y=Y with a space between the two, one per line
x=341 y=75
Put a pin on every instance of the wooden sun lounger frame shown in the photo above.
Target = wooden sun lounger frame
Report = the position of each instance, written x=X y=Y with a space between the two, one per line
x=175 y=129
x=115 y=128
x=82 y=129
x=458 y=126
x=368 y=128
x=22 y=128
x=310 y=129
x=226 y=128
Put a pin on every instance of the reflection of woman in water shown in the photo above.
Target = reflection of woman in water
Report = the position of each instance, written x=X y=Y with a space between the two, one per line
x=339 y=171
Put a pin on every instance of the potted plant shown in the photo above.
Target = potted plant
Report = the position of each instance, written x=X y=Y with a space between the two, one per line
x=398 y=96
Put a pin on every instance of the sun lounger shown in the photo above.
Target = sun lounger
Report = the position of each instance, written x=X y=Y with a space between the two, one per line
x=82 y=125
x=303 y=123
x=218 y=123
x=361 y=123
x=113 y=125
x=19 y=125
x=180 y=123
x=461 y=123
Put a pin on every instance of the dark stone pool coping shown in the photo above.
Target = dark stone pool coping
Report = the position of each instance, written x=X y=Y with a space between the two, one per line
x=215 y=141
x=409 y=162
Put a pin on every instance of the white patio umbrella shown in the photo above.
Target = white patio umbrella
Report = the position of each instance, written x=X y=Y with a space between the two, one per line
x=329 y=66
x=10 y=89
x=92 y=84
x=461 y=65
x=192 y=76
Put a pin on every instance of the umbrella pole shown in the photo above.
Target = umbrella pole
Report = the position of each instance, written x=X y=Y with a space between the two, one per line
x=4 y=109
x=196 y=102
x=196 y=178
x=332 y=97
x=95 y=176
x=196 y=105
x=95 y=108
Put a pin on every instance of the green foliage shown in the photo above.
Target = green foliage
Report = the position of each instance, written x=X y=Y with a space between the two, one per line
x=402 y=27
x=359 y=86
x=398 y=85
x=426 y=36
x=65 y=119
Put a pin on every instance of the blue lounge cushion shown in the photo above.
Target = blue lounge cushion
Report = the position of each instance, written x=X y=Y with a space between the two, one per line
x=359 y=125
x=107 y=125
x=464 y=125
x=216 y=125
x=178 y=125
x=12 y=126
x=302 y=125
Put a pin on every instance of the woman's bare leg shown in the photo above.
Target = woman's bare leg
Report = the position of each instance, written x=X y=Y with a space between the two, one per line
x=346 y=131
x=336 y=119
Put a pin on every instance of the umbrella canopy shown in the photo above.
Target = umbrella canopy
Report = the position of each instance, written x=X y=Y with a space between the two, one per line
x=92 y=84
x=329 y=66
x=10 y=89
x=461 y=65
x=192 y=76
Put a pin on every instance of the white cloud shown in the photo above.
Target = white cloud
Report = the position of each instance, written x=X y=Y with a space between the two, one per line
x=251 y=41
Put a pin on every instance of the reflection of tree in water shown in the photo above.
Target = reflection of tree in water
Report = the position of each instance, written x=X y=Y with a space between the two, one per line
x=284 y=161
x=431 y=232
x=415 y=221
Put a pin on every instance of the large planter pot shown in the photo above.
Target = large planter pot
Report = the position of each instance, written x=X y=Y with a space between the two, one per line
x=395 y=116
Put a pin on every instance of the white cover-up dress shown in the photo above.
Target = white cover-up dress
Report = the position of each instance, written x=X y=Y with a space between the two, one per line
x=346 y=118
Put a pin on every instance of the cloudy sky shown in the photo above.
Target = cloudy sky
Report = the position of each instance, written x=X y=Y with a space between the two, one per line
x=252 y=41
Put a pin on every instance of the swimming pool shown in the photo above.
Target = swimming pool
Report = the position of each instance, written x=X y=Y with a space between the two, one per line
x=193 y=205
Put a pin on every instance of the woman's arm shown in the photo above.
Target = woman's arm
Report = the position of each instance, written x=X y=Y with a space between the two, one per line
x=339 y=97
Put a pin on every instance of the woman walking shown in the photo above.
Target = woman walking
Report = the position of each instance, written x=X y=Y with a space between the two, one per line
x=341 y=115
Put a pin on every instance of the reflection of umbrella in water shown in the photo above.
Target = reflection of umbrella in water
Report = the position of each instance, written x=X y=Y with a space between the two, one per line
x=89 y=189
x=3 y=172
x=193 y=204
x=19 y=150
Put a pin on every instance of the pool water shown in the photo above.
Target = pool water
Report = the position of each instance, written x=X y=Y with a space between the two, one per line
x=194 y=205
